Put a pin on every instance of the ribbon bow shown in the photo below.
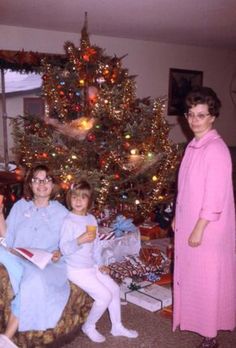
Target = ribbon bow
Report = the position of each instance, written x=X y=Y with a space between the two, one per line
x=121 y=225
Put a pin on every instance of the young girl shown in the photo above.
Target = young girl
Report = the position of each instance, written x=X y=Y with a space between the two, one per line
x=78 y=244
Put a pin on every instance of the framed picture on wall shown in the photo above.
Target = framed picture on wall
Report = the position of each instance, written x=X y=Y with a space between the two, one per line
x=180 y=83
x=34 y=106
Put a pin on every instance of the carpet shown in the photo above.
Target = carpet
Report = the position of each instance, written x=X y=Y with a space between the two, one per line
x=155 y=331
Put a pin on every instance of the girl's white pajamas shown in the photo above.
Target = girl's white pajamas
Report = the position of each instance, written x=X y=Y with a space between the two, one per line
x=83 y=270
x=104 y=291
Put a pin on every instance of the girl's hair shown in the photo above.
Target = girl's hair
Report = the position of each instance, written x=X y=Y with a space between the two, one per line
x=204 y=95
x=28 y=193
x=81 y=185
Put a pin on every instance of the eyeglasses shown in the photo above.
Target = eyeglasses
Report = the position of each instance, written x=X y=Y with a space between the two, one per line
x=43 y=181
x=198 y=116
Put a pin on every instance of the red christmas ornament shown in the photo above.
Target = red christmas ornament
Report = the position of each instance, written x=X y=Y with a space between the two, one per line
x=91 y=51
x=86 y=57
x=126 y=145
x=91 y=137
x=77 y=107
x=13 y=197
x=102 y=162
x=41 y=155
x=64 y=185
x=116 y=176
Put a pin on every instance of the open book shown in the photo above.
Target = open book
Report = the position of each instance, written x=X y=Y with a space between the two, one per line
x=38 y=257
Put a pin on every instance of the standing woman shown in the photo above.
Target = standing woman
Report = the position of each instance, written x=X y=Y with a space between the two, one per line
x=204 y=225
x=35 y=222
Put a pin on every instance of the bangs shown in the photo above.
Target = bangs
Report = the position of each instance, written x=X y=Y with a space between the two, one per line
x=83 y=193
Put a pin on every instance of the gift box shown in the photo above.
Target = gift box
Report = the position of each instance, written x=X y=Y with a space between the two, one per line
x=154 y=253
x=151 y=230
x=112 y=249
x=151 y=256
x=149 y=296
x=159 y=244
x=165 y=279
x=131 y=267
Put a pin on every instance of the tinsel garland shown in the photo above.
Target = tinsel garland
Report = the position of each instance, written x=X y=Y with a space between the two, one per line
x=27 y=61
x=94 y=126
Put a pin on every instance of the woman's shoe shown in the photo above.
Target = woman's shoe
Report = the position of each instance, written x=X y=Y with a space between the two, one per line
x=208 y=343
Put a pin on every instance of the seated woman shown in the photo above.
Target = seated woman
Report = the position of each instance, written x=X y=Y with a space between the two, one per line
x=35 y=222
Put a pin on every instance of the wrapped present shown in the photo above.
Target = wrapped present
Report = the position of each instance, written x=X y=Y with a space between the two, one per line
x=160 y=244
x=131 y=267
x=168 y=311
x=165 y=279
x=114 y=249
x=151 y=230
x=154 y=252
x=146 y=295
x=122 y=225
x=106 y=233
x=126 y=286
x=151 y=256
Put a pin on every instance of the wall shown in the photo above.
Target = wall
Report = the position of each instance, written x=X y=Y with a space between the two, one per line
x=151 y=62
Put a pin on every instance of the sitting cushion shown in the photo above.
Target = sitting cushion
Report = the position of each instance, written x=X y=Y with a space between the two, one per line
x=68 y=326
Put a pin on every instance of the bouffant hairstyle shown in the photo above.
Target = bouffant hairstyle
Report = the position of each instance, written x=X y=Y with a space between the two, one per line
x=204 y=95
x=28 y=193
x=76 y=188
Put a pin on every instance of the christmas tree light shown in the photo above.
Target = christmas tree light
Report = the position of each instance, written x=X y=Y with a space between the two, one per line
x=95 y=127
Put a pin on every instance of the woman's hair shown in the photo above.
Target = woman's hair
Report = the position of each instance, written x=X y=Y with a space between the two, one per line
x=76 y=188
x=28 y=193
x=204 y=95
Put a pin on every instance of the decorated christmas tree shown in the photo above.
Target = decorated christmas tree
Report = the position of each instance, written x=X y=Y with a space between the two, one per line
x=95 y=127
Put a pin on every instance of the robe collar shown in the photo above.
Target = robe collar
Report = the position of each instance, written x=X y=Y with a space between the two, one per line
x=207 y=138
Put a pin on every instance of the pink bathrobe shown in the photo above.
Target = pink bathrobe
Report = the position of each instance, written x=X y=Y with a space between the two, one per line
x=205 y=276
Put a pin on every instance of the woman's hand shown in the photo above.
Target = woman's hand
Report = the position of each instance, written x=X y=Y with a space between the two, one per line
x=173 y=224
x=195 y=238
x=56 y=255
x=104 y=269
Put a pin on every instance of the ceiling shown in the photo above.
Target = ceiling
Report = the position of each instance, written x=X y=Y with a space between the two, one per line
x=209 y=23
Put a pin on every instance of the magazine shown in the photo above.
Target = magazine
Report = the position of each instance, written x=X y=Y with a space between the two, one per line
x=38 y=257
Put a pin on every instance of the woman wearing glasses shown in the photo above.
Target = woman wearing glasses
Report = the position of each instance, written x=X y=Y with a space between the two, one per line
x=204 y=225
x=35 y=222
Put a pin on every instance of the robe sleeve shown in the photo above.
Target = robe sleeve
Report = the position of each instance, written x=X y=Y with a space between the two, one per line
x=218 y=168
x=12 y=221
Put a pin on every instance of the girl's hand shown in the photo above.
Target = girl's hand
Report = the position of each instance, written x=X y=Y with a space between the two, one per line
x=56 y=255
x=86 y=237
x=104 y=269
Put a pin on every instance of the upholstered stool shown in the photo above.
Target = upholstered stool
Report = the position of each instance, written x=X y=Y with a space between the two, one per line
x=73 y=316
